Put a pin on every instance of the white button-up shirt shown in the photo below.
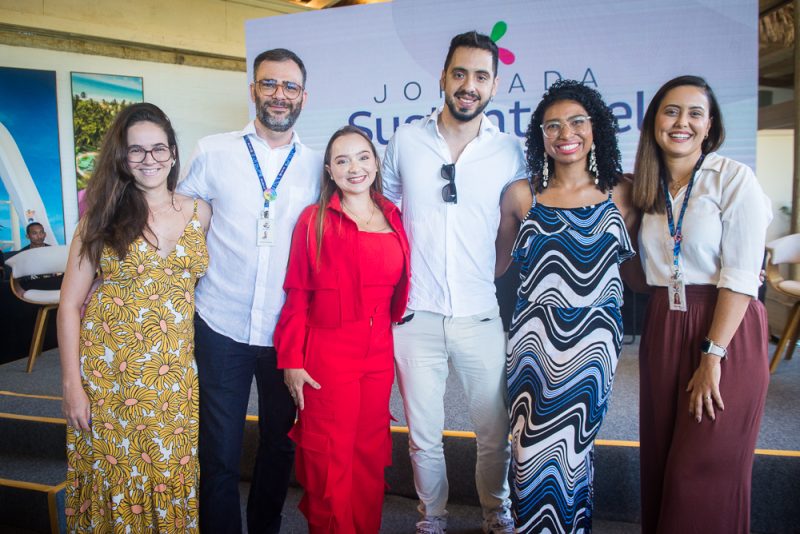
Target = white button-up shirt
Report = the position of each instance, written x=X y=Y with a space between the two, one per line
x=724 y=230
x=241 y=295
x=452 y=245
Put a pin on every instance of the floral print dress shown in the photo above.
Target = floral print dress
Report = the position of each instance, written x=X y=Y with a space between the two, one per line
x=137 y=470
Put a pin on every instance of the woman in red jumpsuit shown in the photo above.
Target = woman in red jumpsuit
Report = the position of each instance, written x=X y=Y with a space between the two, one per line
x=346 y=282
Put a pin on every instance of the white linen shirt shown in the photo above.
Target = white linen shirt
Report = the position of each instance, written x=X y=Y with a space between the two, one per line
x=724 y=230
x=241 y=295
x=452 y=245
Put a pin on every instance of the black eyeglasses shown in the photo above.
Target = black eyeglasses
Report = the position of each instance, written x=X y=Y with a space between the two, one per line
x=291 y=90
x=449 y=193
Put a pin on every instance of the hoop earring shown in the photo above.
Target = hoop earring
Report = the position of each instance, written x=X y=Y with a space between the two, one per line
x=545 y=172
x=593 y=164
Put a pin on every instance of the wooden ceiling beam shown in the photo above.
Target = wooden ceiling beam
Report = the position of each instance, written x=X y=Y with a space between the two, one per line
x=783 y=82
x=322 y=4
x=776 y=116
x=776 y=56
x=281 y=6
x=13 y=35
x=778 y=72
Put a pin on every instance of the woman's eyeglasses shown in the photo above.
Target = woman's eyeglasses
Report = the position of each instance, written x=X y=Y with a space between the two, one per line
x=578 y=124
x=160 y=153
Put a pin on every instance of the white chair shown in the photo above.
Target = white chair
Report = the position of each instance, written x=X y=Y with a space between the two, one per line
x=785 y=250
x=38 y=262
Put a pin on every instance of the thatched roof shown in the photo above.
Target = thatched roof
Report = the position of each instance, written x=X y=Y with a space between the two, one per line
x=776 y=34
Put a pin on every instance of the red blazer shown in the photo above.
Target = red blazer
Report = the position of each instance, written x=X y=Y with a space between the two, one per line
x=328 y=296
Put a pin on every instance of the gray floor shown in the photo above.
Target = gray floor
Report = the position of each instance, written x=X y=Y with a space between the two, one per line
x=399 y=515
x=780 y=427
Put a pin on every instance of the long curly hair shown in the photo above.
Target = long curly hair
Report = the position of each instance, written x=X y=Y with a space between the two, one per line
x=116 y=209
x=604 y=131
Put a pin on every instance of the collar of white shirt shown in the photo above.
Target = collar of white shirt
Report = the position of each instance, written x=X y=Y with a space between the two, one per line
x=712 y=162
x=250 y=130
x=487 y=126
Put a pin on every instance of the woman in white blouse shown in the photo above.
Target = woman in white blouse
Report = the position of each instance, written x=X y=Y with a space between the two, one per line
x=703 y=355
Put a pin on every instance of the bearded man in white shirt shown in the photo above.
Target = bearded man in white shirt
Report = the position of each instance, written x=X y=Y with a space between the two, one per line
x=450 y=170
x=257 y=181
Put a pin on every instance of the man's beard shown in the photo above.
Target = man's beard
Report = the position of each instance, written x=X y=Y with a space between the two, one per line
x=273 y=123
x=460 y=115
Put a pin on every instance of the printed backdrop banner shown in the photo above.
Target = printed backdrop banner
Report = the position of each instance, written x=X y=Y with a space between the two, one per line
x=377 y=66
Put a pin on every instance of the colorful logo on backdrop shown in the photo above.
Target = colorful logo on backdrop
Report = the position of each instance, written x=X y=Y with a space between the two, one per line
x=512 y=119
x=498 y=31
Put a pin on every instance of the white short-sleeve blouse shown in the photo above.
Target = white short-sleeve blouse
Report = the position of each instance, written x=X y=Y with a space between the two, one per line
x=724 y=230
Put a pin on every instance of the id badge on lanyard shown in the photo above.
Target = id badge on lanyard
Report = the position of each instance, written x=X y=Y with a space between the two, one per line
x=265 y=230
x=676 y=288
x=265 y=223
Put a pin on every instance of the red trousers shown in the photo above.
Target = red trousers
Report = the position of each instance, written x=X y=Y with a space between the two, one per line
x=343 y=435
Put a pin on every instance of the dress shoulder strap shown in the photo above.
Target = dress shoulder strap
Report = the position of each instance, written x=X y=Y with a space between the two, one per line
x=194 y=212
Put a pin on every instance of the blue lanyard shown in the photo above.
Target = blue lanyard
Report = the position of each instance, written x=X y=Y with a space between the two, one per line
x=676 y=232
x=271 y=193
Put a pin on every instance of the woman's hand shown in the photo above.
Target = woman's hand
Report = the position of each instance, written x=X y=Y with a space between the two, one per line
x=294 y=380
x=704 y=388
x=76 y=407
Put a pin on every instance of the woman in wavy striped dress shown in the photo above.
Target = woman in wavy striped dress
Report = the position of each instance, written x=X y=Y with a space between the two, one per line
x=566 y=330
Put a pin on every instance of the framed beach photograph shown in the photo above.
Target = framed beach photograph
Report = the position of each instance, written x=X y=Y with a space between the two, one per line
x=96 y=100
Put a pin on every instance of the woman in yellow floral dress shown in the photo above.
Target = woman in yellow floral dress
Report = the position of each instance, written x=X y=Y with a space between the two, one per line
x=128 y=371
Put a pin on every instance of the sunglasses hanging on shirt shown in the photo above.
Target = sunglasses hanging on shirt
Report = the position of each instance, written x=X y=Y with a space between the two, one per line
x=449 y=193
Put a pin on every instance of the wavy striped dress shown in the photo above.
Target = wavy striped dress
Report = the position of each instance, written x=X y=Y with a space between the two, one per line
x=564 y=344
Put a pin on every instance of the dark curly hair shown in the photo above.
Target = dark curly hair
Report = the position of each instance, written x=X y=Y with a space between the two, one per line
x=604 y=131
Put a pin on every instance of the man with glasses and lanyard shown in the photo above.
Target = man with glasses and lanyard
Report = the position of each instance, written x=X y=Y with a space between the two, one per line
x=450 y=170
x=257 y=181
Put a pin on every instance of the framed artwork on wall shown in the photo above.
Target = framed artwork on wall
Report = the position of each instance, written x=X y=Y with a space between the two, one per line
x=96 y=100
x=30 y=168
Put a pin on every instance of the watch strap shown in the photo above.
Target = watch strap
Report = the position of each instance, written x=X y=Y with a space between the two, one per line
x=708 y=346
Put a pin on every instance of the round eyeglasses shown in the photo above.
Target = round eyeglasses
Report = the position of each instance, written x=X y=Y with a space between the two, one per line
x=160 y=153
x=290 y=90
x=579 y=124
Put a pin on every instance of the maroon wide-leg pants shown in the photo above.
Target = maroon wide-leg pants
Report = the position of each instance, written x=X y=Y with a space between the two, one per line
x=695 y=477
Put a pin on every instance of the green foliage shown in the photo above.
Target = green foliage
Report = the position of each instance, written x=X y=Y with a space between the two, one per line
x=90 y=120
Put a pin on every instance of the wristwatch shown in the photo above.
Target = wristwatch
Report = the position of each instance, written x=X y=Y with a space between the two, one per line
x=709 y=347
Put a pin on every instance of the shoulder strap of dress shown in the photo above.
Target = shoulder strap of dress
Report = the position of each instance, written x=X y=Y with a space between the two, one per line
x=533 y=193
x=195 y=207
